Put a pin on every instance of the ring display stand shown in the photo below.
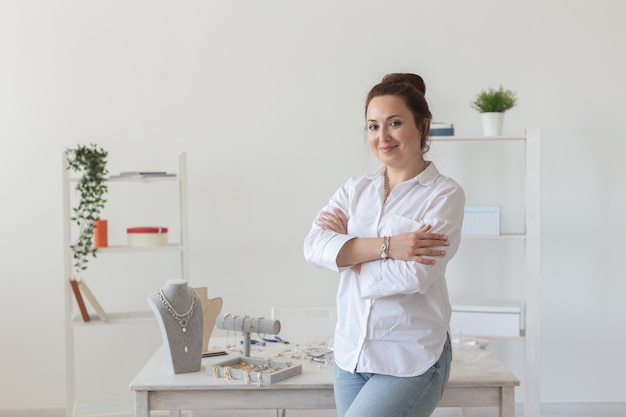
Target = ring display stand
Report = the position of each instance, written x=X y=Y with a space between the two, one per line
x=247 y=325
x=247 y=368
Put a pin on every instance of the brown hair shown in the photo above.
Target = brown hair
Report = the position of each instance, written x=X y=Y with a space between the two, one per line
x=411 y=88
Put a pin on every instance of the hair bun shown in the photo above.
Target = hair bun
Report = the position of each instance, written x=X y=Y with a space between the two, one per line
x=413 y=79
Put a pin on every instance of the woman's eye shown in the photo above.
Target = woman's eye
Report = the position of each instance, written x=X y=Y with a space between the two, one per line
x=394 y=123
x=372 y=127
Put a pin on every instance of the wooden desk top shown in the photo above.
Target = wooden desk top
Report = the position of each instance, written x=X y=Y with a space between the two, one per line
x=481 y=371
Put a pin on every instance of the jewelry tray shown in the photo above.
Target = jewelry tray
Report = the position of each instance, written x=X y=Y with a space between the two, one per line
x=250 y=368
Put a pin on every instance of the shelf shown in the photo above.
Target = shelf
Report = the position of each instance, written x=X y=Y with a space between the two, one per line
x=116 y=318
x=127 y=249
x=520 y=320
x=500 y=236
x=476 y=138
x=84 y=394
x=144 y=179
x=136 y=179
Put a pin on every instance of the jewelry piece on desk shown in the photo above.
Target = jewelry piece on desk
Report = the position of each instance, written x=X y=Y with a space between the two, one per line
x=275 y=339
x=182 y=319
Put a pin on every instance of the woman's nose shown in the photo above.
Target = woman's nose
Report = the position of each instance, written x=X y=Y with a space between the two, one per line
x=384 y=133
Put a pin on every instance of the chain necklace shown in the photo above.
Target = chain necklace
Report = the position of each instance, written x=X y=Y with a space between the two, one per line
x=182 y=319
x=386 y=178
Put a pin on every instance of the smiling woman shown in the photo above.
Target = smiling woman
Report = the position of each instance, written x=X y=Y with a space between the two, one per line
x=390 y=234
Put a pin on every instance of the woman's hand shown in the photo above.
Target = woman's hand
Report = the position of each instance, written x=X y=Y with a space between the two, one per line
x=335 y=221
x=413 y=246
x=418 y=246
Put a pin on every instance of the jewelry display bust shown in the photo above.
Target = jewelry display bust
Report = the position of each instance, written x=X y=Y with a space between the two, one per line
x=179 y=314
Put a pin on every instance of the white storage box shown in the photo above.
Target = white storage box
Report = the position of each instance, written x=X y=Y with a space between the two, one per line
x=486 y=320
x=481 y=221
x=146 y=236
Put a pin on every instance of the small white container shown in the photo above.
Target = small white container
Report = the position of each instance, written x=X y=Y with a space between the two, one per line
x=146 y=236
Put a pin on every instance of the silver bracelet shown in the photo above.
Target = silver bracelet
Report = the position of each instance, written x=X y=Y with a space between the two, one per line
x=384 y=249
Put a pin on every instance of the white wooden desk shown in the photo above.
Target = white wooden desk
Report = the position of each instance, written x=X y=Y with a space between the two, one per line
x=483 y=383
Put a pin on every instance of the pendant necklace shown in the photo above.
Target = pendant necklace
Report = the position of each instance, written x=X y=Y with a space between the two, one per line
x=386 y=178
x=182 y=319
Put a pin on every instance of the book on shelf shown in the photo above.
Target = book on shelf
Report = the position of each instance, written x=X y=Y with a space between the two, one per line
x=79 y=299
x=82 y=285
x=143 y=174
x=441 y=129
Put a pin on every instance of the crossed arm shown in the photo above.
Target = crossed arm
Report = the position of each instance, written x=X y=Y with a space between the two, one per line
x=419 y=246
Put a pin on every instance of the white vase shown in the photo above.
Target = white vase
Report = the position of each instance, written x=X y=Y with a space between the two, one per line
x=492 y=123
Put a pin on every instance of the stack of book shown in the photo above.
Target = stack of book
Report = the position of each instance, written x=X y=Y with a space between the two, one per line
x=441 y=129
x=142 y=174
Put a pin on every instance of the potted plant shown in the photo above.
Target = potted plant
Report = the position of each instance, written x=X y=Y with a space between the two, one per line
x=90 y=163
x=492 y=104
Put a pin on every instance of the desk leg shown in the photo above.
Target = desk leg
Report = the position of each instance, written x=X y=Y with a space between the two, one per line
x=466 y=412
x=142 y=406
x=507 y=402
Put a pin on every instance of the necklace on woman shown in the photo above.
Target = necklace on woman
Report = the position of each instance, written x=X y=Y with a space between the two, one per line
x=182 y=319
x=386 y=179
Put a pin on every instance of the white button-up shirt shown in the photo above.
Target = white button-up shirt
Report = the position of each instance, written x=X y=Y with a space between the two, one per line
x=393 y=317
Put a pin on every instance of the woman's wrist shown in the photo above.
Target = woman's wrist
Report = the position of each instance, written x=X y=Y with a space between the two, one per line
x=384 y=248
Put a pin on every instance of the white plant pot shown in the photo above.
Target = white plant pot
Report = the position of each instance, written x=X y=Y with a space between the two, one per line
x=492 y=123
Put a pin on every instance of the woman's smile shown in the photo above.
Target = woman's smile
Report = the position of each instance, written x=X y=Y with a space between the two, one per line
x=388 y=148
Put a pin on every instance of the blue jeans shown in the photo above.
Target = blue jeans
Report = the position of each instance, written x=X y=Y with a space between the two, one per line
x=376 y=395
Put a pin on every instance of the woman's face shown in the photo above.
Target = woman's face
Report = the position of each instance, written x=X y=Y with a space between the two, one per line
x=391 y=132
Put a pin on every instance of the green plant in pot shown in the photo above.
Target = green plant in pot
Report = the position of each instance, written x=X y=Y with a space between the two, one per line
x=492 y=104
x=90 y=162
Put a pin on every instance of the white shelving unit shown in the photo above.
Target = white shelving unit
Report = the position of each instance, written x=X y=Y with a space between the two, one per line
x=528 y=308
x=74 y=324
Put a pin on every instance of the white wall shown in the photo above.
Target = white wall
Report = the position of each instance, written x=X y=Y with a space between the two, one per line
x=267 y=99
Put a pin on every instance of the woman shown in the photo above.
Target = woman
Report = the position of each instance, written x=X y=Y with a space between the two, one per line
x=390 y=234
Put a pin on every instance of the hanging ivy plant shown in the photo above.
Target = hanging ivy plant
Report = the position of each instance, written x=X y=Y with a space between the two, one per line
x=90 y=163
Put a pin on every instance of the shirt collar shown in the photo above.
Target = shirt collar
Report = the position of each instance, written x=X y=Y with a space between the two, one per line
x=426 y=177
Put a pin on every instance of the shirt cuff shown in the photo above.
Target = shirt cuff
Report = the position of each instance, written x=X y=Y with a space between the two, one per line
x=332 y=250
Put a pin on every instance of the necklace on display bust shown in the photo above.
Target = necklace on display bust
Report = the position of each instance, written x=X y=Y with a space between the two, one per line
x=386 y=178
x=182 y=319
